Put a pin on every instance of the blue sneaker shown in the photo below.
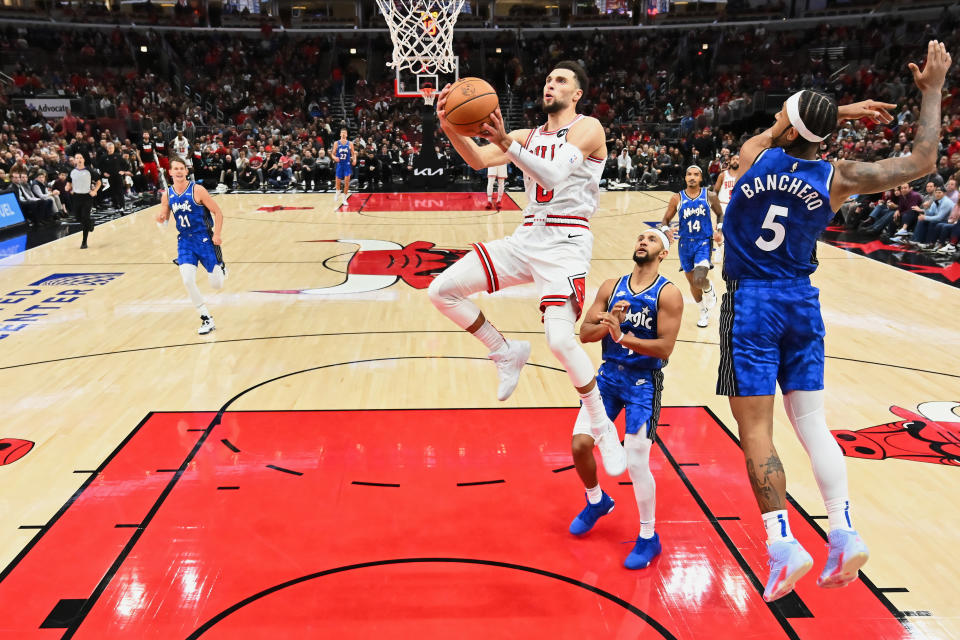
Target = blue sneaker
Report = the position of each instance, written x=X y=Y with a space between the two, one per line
x=590 y=514
x=788 y=563
x=847 y=554
x=643 y=552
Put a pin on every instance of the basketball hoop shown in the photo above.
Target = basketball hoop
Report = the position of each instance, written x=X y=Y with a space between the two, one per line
x=422 y=36
x=428 y=96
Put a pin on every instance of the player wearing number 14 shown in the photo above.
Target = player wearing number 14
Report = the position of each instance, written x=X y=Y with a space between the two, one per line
x=771 y=328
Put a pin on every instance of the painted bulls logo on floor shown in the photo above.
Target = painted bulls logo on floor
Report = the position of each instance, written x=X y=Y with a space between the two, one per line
x=378 y=264
x=12 y=449
x=932 y=434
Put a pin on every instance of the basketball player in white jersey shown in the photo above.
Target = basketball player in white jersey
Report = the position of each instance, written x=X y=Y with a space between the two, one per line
x=725 y=181
x=498 y=174
x=562 y=161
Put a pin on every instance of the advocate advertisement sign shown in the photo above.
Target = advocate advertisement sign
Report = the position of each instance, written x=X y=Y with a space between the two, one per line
x=49 y=107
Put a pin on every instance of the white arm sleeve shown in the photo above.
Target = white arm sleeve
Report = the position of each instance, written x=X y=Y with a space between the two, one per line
x=547 y=173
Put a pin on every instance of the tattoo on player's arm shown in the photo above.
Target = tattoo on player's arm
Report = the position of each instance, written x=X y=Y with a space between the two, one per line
x=871 y=177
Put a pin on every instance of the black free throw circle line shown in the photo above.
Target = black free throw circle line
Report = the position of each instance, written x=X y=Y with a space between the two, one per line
x=410 y=331
x=664 y=633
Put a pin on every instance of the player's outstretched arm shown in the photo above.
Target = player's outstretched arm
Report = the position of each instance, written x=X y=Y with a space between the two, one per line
x=592 y=328
x=669 y=312
x=202 y=196
x=473 y=154
x=873 y=177
x=755 y=145
x=584 y=138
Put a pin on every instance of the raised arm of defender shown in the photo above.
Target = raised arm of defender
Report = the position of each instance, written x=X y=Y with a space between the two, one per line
x=873 y=177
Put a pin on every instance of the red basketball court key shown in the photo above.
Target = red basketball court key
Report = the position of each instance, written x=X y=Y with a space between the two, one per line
x=395 y=524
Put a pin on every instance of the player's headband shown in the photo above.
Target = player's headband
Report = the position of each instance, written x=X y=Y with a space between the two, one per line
x=694 y=166
x=663 y=238
x=793 y=113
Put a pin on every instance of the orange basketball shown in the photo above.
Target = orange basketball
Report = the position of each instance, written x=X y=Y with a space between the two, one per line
x=469 y=104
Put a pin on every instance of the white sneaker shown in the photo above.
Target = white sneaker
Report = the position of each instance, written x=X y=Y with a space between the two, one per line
x=206 y=325
x=509 y=363
x=611 y=451
x=704 y=319
x=710 y=297
x=947 y=248
x=902 y=232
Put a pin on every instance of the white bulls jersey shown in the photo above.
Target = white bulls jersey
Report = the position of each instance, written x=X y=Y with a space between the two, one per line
x=573 y=201
x=726 y=187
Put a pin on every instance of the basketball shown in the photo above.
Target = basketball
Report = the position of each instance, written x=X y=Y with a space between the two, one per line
x=469 y=103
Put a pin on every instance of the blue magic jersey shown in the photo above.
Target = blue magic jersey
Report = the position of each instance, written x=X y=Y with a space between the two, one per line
x=641 y=322
x=342 y=153
x=694 y=215
x=191 y=217
x=778 y=209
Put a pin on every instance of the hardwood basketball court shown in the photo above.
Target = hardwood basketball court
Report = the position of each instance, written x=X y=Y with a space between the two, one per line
x=332 y=460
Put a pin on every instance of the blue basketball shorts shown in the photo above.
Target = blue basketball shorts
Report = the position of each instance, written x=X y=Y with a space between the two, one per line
x=198 y=248
x=635 y=390
x=344 y=171
x=693 y=252
x=771 y=331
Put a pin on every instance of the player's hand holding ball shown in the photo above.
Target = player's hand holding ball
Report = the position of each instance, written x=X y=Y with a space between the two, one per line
x=464 y=106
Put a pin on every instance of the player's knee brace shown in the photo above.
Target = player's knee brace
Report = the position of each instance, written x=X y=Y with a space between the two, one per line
x=558 y=324
x=637 y=447
x=188 y=273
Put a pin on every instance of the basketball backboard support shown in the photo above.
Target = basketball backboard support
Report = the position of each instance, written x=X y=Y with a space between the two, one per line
x=409 y=84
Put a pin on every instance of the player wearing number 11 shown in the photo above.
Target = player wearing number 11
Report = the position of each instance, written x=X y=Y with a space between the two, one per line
x=199 y=239
x=771 y=329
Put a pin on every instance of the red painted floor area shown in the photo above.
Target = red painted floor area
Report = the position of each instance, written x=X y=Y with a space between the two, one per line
x=402 y=524
x=441 y=201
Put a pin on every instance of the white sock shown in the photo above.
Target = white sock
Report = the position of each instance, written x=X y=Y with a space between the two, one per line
x=595 y=494
x=203 y=310
x=490 y=182
x=646 y=529
x=501 y=186
x=594 y=404
x=838 y=514
x=488 y=335
x=777 y=525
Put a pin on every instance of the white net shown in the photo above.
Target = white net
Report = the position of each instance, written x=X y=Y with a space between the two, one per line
x=422 y=34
